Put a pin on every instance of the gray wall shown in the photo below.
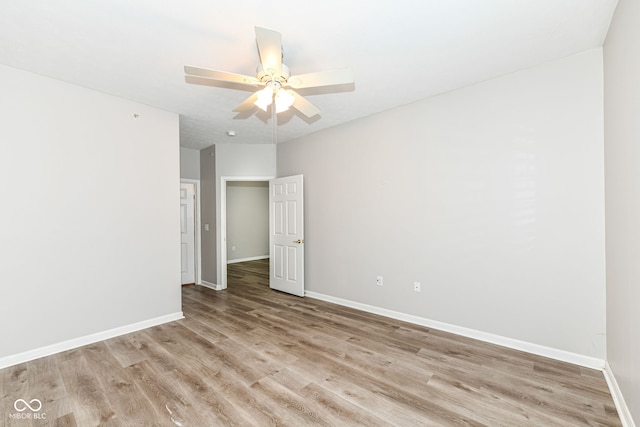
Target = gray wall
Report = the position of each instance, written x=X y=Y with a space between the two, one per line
x=247 y=220
x=491 y=196
x=622 y=155
x=90 y=225
x=189 y=163
x=208 y=195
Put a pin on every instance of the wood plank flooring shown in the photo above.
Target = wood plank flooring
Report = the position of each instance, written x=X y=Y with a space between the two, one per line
x=250 y=356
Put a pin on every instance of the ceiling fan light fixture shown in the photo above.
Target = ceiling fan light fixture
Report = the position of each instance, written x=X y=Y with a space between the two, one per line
x=265 y=97
x=284 y=100
x=275 y=76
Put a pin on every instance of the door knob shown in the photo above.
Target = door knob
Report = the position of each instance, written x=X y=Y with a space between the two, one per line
x=298 y=241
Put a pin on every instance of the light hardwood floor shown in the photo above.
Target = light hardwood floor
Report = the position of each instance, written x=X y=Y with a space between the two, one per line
x=249 y=356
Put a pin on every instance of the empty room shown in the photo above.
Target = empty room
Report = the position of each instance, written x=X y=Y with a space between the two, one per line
x=320 y=213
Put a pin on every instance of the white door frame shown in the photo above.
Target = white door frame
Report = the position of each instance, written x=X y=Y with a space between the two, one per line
x=198 y=248
x=223 y=221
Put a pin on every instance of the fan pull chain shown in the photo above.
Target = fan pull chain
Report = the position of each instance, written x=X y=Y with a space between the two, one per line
x=274 y=118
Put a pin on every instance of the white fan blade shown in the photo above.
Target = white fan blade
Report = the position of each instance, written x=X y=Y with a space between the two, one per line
x=304 y=106
x=321 y=78
x=270 y=49
x=247 y=104
x=221 y=75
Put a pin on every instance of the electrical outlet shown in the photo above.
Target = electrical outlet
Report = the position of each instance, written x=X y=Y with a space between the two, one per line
x=416 y=286
x=379 y=280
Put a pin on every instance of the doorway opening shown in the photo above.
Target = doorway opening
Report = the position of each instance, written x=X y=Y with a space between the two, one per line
x=244 y=222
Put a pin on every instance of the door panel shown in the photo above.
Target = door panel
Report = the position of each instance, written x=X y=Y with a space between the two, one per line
x=292 y=225
x=292 y=255
x=187 y=232
x=286 y=234
x=277 y=260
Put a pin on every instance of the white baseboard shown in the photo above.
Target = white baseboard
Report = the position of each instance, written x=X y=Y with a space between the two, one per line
x=621 y=406
x=253 y=258
x=88 y=339
x=211 y=285
x=564 y=356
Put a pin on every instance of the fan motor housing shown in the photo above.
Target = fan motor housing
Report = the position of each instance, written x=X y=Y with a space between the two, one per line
x=266 y=76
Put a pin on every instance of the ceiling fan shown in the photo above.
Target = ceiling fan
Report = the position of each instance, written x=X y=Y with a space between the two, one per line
x=273 y=77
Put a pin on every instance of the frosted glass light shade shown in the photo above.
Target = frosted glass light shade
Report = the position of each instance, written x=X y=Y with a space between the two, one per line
x=265 y=98
x=284 y=100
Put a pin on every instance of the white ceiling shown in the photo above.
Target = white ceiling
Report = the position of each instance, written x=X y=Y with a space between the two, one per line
x=400 y=50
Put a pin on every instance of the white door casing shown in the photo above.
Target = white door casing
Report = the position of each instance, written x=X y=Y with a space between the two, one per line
x=187 y=232
x=286 y=235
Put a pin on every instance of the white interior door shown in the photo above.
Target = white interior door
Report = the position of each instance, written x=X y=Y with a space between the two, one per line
x=286 y=235
x=187 y=232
